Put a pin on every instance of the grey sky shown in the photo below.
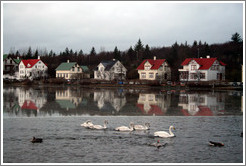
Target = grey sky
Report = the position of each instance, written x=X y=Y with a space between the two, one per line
x=104 y=25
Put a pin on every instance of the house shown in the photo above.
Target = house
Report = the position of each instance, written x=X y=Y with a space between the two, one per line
x=202 y=69
x=110 y=70
x=10 y=65
x=33 y=68
x=71 y=70
x=154 y=69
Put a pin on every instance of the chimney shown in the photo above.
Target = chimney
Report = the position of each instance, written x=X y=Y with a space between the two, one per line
x=18 y=57
x=200 y=57
x=208 y=56
x=38 y=57
x=154 y=57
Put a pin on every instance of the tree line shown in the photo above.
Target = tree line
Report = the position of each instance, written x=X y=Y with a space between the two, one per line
x=231 y=53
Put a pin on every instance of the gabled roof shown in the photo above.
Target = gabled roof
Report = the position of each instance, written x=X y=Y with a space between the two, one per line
x=29 y=63
x=205 y=63
x=66 y=66
x=29 y=105
x=5 y=56
x=17 y=61
x=85 y=68
x=155 y=64
x=108 y=64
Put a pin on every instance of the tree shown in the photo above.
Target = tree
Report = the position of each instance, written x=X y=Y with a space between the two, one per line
x=236 y=38
x=29 y=53
x=147 y=52
x=36 y=54
x=117 y=54
x=139 y=49
x=93 y=52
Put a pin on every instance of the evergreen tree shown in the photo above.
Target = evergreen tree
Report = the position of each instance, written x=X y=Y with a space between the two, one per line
x=36 y=54
x=93 y=52
x=29 y=53
x=117 y=54
x=236 y=38
x=139 y=49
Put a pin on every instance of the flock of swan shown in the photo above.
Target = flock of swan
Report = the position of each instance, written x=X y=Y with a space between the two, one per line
x=88 y=124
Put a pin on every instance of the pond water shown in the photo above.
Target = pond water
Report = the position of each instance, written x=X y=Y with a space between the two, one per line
x=56 y=113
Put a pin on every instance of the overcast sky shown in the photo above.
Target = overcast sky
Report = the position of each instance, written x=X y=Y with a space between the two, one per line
x=104 y=25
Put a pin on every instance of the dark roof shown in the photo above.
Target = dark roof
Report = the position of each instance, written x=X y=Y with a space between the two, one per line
x=108 y=64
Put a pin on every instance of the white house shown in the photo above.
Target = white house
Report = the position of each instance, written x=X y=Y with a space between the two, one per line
x=154 y=69
x=32 y=68
x=202 y=69
x=110 y=70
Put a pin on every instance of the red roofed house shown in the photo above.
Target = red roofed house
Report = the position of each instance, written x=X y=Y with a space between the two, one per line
x=154 y=69
x=32 y=68
x=202 y=69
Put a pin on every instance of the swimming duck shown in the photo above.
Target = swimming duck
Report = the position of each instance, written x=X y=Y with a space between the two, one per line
x=125 y=128
x=142 y=127
x=36 y=140
x=158 y=144
x=100 y=127
x=164 y=134
x=211 y=143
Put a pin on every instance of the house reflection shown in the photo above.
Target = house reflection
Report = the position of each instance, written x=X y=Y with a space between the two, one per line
x=208 y=104
x=24 y=101
x=68 y=99
x=108 y=98
x=153 y=104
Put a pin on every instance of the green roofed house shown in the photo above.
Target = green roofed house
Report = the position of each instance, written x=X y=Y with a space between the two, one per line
x=71 y=70
x=10 y=65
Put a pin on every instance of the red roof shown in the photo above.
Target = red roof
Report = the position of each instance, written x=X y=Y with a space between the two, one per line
x=203 y=111
x=155 y=64
x=31 y=62
x=154 y=110
x=29 y=105
x=205 y=63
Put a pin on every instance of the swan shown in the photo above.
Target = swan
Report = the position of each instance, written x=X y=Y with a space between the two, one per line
x=142 y=127
x=165 y=134
x=36 y=140
x=87 y=124
x=100 y=127
x=125 y=128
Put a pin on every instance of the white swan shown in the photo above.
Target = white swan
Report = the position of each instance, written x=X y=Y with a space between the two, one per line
x=165 y=134
x=100 y=127
x=142 y=127
x=125 y=128
x=87 y=124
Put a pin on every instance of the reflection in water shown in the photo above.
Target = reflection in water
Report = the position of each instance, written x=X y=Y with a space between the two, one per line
x=108 y=99
x=64 y=101
x=154 y=104
x=202 y=104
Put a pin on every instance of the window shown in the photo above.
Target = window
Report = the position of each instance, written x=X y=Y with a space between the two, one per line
x=143 y=75
x=202 y=76
x=215 y=67
x=151 y=75
x=193 y=76
x=73 y=69
x=193 y=67
x=184 y=75
x=147 y=67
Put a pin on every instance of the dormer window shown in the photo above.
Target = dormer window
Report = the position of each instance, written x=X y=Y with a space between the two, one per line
x=147 y=67
x=28 y=65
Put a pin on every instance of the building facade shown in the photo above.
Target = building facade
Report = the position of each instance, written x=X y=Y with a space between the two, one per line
x=32 y=68
x=154 y=69
x=202 y=69
x=110 y=70
x=71 y=70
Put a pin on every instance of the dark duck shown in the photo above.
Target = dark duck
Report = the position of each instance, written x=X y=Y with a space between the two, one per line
x=36 y=140
x=211 y=143
x=158 y=144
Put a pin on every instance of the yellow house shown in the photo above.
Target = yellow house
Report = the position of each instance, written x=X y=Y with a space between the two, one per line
x=70 y=70
x=154 y=69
